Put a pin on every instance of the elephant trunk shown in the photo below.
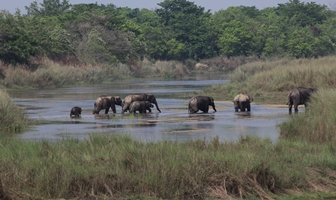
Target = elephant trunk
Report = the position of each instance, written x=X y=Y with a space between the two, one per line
x=213 y=106
x=157 y=107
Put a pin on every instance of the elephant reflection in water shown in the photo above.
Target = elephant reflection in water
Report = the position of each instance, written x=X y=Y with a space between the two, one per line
x=242 y=115
x=201 y=122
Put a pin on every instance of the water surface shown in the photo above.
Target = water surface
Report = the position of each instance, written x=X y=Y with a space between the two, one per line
x=52 y=107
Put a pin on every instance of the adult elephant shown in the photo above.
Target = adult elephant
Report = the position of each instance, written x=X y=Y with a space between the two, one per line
x=138 y=97
x=299 y=96
x=201 y=103
x=242 y=102
x=106 y=102
x=141 y=106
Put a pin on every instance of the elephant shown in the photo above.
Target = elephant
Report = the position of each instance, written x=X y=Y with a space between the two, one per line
x=242 y=102
x=76 y=111
x=299 y=96
x=138 y=97
x=141 y=106
x=106 y=102
x=201 y=103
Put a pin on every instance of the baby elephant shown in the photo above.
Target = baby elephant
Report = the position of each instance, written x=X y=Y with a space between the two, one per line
x=140 y=106
x=76 y=111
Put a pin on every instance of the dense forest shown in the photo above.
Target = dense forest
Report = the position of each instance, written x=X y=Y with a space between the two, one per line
x=178 y=30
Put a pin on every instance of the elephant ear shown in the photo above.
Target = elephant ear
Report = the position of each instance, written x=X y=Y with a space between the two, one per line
x=150 y=98
x=118 y=100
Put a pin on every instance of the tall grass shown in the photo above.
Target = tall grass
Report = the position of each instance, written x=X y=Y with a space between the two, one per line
x=317 y=124
x=12 y=118
x=50 y=74
x=121 y=168
x=271 y=81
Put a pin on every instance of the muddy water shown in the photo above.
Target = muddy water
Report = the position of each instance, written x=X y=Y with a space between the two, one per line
x=52 y=108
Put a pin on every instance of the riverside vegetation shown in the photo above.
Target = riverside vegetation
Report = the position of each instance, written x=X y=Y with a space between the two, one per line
x=300 y=165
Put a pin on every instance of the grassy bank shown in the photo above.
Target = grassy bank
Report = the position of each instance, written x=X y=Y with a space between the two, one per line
x=317 y=124
x=122 y=168
x=12 y=118
x=50 y=74
x=300 y=165
x=270 y=81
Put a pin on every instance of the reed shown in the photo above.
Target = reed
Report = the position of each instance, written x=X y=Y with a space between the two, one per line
x=317 y=123
x=122 y=168
x=270 y=81
x=50 y=74
x=12 y=118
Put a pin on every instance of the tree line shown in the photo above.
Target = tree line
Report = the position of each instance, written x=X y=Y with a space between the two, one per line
x=178 y=30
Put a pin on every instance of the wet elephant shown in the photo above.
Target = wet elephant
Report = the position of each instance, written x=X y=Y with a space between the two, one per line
x=201 y=103
x=106 y=102
x=75 y=111
x=138 y=97
x=299 y=96
x=141 y=106
x=242 y=102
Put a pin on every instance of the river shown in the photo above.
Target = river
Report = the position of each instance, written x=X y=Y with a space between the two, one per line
x=52 y=107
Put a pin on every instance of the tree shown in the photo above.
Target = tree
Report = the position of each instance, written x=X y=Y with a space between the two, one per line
x=302 y=14
x=17 y=43
x=236 y=39
x=48 y=8
x=300 y=43
x=187 y=23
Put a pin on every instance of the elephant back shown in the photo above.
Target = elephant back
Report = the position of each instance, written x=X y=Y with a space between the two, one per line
x=192 y=105
x=134 y=105
x=242 y=97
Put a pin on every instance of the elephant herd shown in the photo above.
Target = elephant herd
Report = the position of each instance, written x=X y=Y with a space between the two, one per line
x=132 y=103
x=144 y=102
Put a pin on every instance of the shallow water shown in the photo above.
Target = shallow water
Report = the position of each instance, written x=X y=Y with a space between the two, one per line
x=52 y=107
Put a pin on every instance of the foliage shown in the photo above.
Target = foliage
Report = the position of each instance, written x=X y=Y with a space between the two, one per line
x=177 y=30
x=48 y=8
x=17 y=40
x=236 y=39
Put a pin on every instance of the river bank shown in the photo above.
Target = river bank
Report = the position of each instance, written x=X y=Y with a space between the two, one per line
x=300 y=165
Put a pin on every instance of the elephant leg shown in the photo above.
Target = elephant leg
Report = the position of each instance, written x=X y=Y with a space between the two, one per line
x=106 y=110
x=296 y=107
x=241 y=106
x=248 y=106
x=290 y=105
x=149 y=110
x=125 y=108
x=206 y=109
x=113 y=109
x=236 y=105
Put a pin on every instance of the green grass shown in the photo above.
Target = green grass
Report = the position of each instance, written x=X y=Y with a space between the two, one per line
x=317 y=124
x=12 y=118
x=300 y=165
x=50 y=74
x=270 y=81
x=120 y=167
